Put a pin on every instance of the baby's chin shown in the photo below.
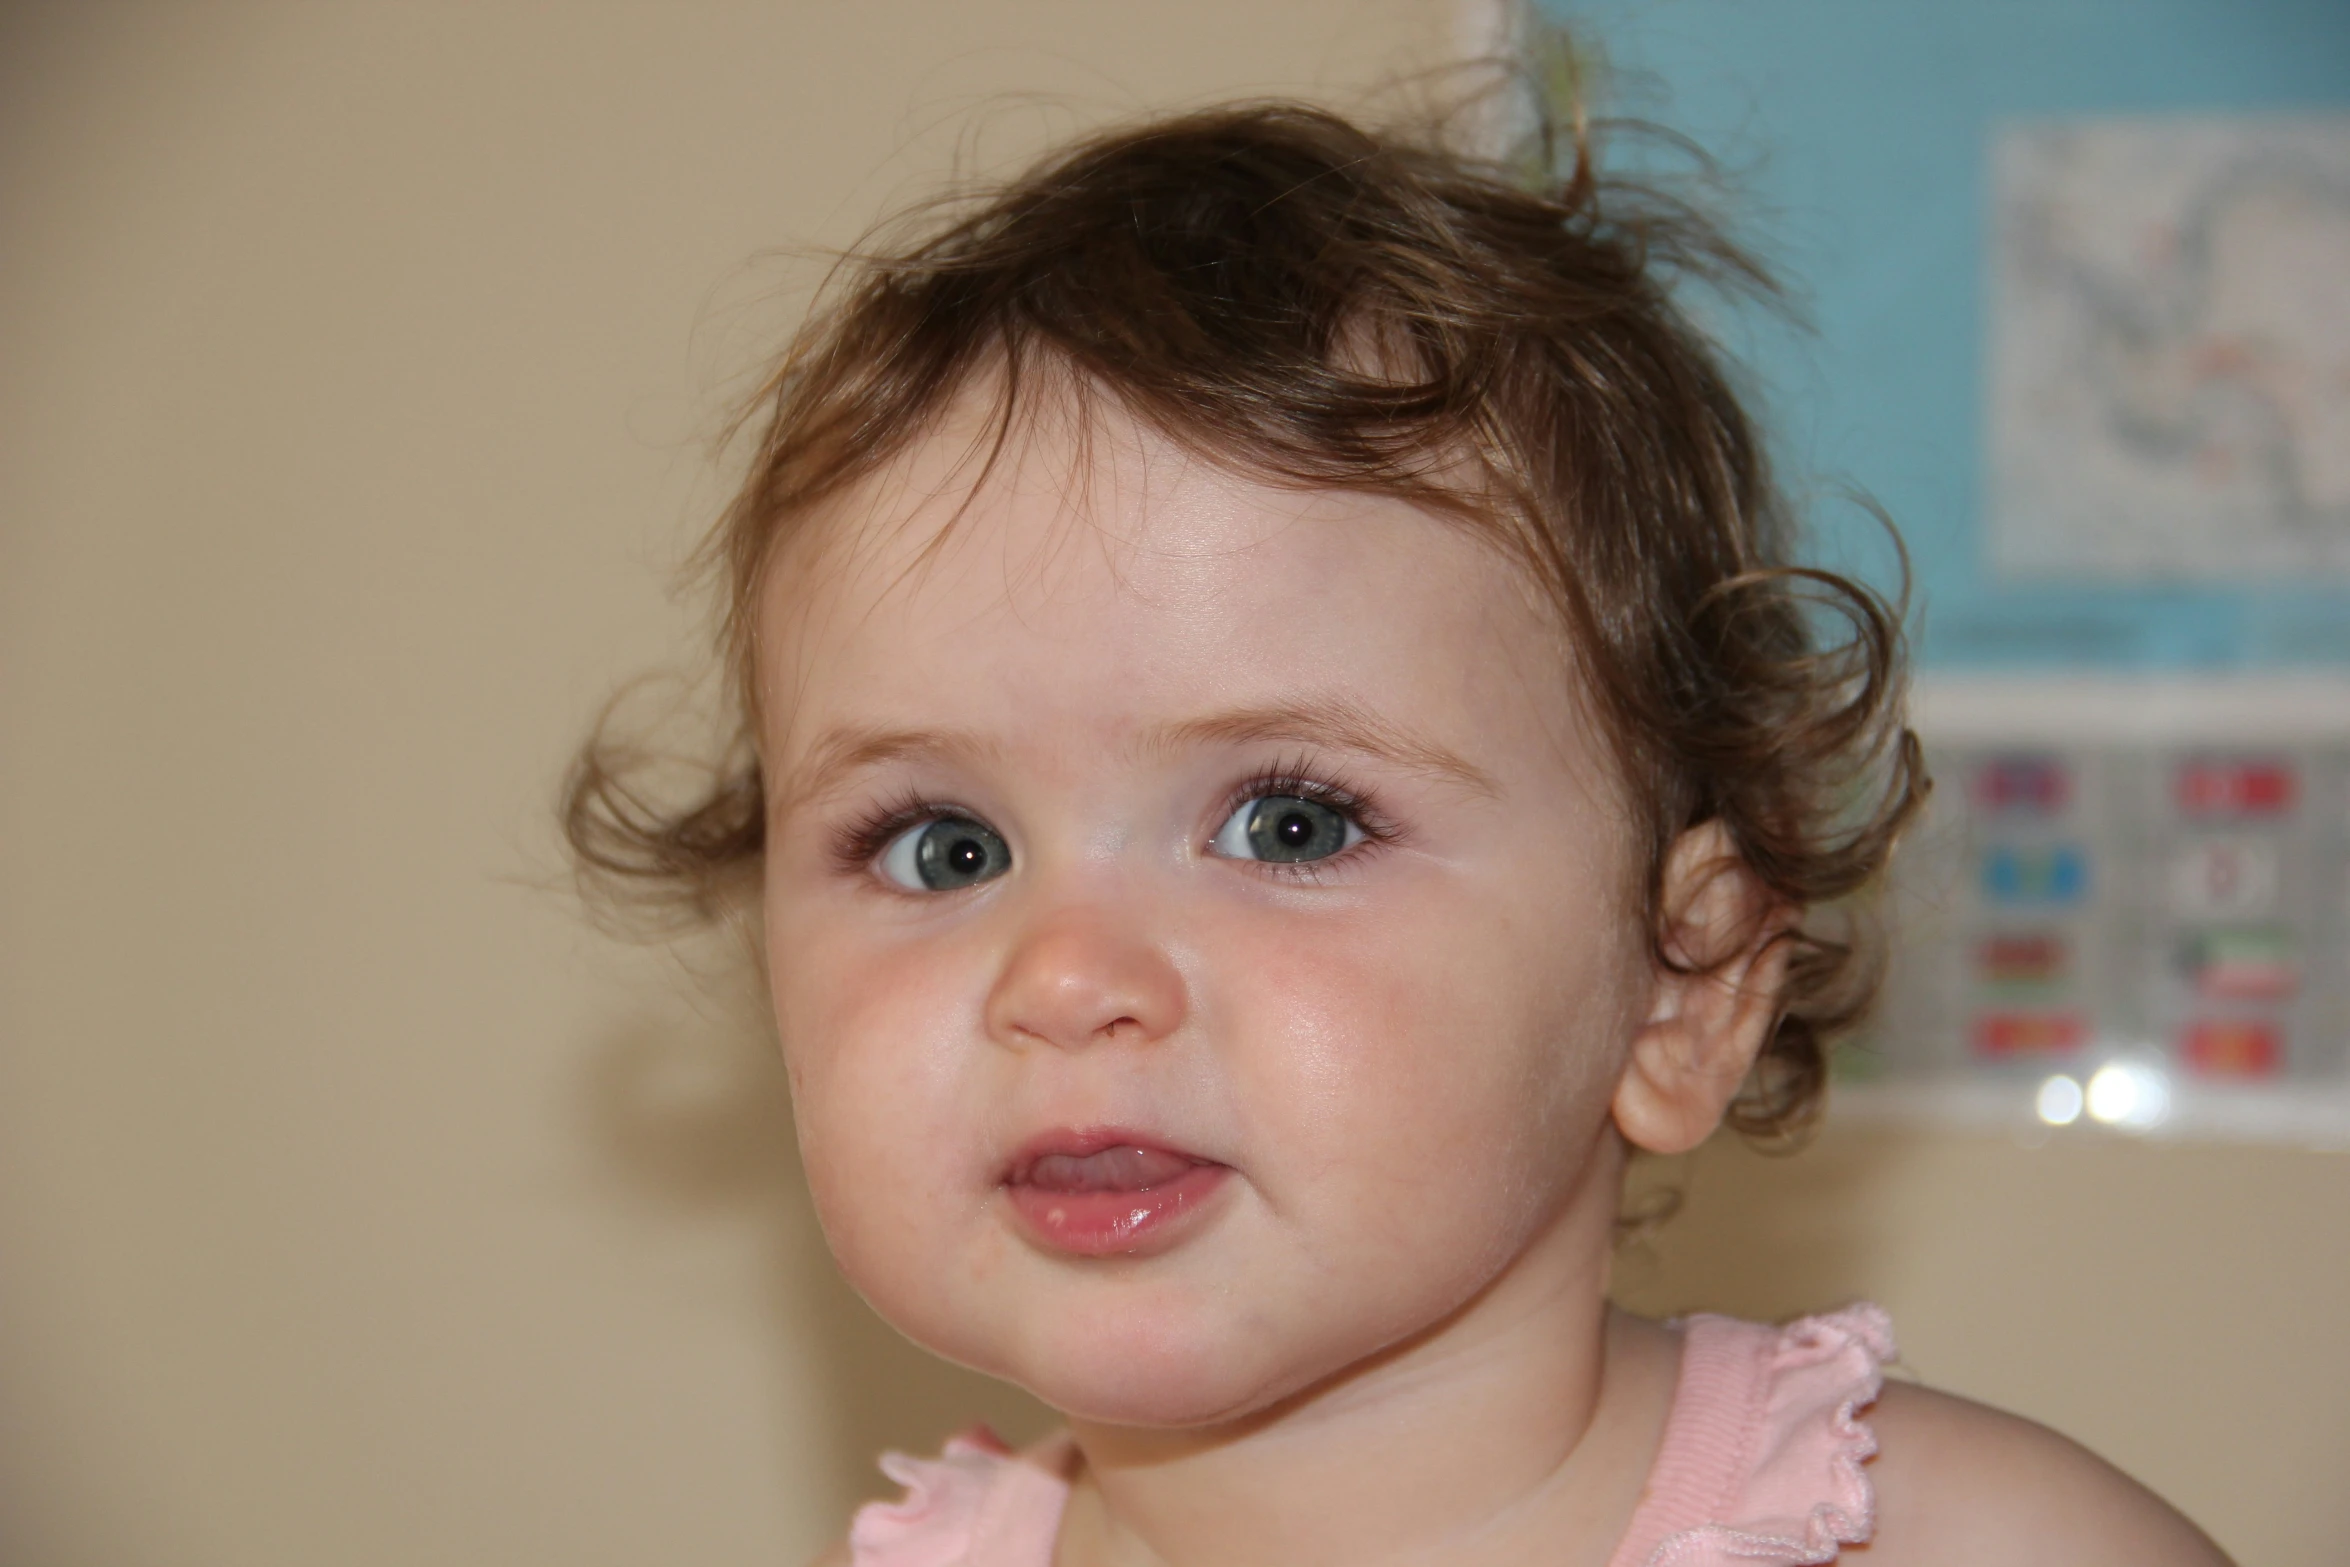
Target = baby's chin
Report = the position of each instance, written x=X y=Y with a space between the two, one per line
x=1172 y=1341
x=1154 y=1364
x=1156 y=1385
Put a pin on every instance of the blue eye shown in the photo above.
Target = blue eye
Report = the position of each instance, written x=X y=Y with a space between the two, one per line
x=945 y=853
x=1285 y=829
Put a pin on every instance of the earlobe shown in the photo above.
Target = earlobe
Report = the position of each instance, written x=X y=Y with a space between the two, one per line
x=1714 y=1005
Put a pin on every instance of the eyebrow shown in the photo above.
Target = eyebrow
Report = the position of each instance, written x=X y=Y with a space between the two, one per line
x=851 y=748
x=1333 y=722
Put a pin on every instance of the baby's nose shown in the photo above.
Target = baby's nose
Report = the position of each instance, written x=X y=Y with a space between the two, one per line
x=1079 y=979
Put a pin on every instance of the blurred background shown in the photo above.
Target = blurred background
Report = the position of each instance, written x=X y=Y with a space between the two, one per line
x=359 y=1203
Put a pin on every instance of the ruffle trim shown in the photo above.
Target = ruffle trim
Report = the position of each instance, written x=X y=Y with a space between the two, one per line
x=935 y=1522
x=1832 y=1363
x=1784 y=1446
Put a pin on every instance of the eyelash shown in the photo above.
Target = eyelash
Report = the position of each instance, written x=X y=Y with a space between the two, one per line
x=863 y=839
x=1298 y=781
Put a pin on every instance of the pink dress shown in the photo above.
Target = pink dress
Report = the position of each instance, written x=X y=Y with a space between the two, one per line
x=1760 y=1464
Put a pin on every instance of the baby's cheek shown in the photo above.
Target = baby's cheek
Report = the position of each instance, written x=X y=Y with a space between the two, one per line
x=1352 y=1027
x=1440 y=1069
x=870 y=1043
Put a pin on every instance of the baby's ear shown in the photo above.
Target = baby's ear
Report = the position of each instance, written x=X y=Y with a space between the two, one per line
x=1716 y=999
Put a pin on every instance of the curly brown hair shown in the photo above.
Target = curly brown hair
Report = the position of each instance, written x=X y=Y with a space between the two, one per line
x=1529 y=373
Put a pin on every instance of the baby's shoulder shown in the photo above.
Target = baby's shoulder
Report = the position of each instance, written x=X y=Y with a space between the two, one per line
x=1960 y=1483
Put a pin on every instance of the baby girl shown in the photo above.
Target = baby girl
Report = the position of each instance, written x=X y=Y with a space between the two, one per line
x=1281 y=746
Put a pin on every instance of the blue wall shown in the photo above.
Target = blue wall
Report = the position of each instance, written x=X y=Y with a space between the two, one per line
x=1860 y=131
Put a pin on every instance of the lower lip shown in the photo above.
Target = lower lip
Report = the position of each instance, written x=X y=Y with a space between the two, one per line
x=1117 y=1223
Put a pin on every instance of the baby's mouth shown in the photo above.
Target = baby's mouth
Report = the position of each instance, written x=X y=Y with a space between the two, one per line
x=1107 y=1193
x=1125 y=1168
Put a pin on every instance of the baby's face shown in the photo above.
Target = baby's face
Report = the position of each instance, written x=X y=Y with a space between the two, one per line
x=1201 y=928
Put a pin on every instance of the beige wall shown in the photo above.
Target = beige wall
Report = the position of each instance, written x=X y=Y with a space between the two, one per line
x=359 y=1206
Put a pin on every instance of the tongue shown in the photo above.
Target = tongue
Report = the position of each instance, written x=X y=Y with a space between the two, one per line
x=1112 y=1170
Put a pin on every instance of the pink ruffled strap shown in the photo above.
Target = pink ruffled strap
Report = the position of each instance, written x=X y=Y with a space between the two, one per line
x=1762 y=1454
x=975 y=1505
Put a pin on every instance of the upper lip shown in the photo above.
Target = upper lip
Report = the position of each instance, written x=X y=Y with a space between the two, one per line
x=1077 y=1142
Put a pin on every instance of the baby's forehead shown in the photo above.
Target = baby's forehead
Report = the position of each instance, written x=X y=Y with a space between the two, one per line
x=1065 y=500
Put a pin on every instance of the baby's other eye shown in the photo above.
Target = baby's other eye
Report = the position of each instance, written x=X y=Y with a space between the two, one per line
x=944 y=853
x=1286 y=829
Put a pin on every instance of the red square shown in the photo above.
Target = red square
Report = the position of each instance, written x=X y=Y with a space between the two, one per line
x=2023 y=785
x=2021 y=958
x=2212 y=786
x=2233 y=1047
x=2004 y=1034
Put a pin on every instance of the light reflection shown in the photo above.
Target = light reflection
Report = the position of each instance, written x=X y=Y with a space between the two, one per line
x=2059 y=1101
x=2128 y=1095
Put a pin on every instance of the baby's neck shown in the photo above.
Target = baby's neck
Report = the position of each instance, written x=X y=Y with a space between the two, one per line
x=1520 y=1430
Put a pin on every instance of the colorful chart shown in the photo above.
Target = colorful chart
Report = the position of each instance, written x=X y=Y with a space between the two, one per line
x=2180 y=912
